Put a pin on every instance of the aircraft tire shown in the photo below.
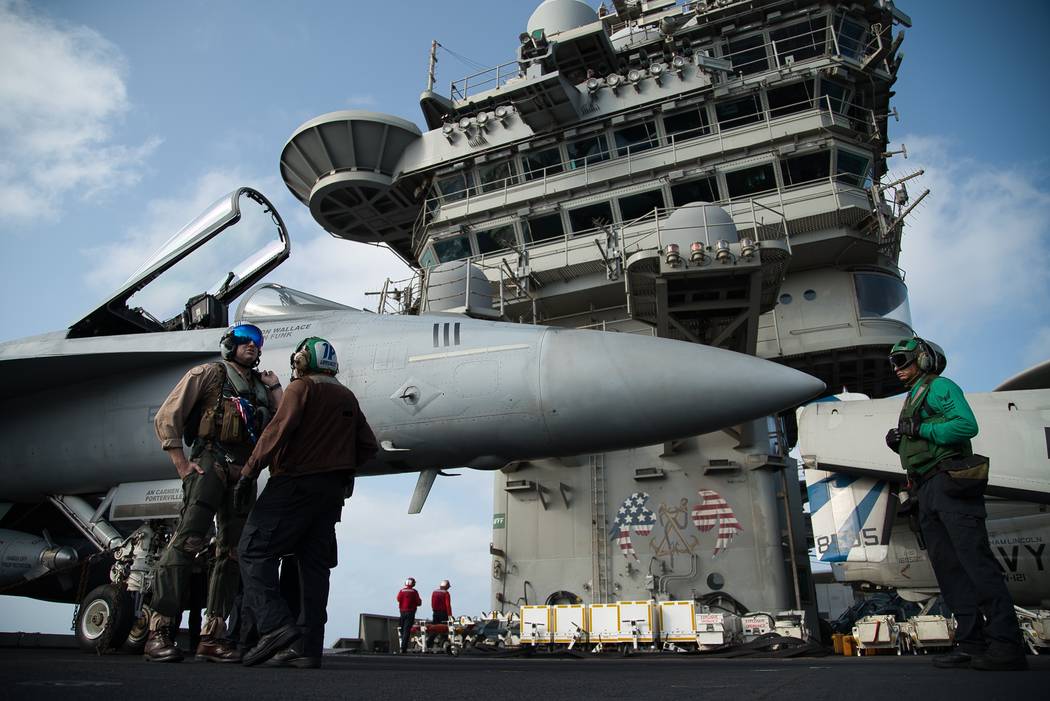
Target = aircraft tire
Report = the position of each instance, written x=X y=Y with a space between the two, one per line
x=105 y=619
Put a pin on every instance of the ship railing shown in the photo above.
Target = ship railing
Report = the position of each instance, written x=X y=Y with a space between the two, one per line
x=509 y=288
x=482 y=81
x=401 y=296
x=821 y=42
x=598 y=161
x=762 y=216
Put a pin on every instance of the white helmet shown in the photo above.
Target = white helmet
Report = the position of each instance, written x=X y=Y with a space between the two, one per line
x=444 y=584
x=410 y=582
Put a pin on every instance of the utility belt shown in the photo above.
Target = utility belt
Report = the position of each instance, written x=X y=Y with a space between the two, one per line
x=223 y=455
x=967 y=476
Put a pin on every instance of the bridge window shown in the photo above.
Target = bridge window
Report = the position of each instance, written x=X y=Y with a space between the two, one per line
x=455 y=248
x=853 y=169
x=749 y=181
x=456 y=186
x=703 y=190
x=589 y=151
x=836 y=95
x=800 y=41
x=807 y=168
x=687 y=124
x=852 y=38
x=737 y=113
x=635 y=138
x=543 y=227
x=882 y=296
x=590 y=217
x=748 y=54
x=797 y=97
x=634 y=206
x=498 y=175
x=538 y=164
x=498 y=239
x=428 y=259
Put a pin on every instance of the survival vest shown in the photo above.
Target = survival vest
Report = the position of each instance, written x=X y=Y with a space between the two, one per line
x=233 y=412
x=918 y=455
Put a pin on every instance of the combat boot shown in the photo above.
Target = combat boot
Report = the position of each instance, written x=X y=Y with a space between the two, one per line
x=217 y=650
x=160 y=646
x=293 y=657
x=1001 y=658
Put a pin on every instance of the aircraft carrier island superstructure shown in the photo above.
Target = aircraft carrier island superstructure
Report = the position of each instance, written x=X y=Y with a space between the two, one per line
x=713 y=172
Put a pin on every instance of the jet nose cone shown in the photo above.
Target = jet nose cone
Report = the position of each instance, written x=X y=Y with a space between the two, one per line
x=599 y=388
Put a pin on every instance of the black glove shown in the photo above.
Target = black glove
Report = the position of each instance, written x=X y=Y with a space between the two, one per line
x=243 y=492
x=910 y=427
x=893 y=440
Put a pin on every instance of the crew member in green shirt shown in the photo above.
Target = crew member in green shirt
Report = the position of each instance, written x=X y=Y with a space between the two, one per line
x=933 y=441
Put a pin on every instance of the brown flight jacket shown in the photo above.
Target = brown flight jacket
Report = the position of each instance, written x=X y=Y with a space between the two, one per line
x=318 y=427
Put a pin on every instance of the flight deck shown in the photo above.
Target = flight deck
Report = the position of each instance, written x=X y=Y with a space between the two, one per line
x=68 y=674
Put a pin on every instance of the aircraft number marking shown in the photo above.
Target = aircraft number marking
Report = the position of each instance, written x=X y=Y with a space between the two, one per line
x=441 y=335
x=827 y=542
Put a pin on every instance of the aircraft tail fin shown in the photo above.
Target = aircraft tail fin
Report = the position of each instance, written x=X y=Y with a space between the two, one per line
x=851 y=516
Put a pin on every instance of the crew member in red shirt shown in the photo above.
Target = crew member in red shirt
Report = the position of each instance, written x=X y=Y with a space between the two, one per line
x=407 y=602
x=441 y=602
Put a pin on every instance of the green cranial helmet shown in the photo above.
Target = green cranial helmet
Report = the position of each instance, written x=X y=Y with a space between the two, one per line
x=928 y=356
x=315 y=354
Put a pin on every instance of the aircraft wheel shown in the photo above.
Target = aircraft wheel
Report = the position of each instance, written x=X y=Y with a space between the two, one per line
x=105 y=619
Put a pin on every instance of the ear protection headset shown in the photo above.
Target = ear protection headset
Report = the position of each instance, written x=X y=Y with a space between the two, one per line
x=925 y=356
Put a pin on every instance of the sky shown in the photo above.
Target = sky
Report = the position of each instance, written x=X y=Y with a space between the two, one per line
x=120 y=122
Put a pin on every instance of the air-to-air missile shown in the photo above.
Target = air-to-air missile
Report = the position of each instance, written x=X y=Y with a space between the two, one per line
x=440 y=390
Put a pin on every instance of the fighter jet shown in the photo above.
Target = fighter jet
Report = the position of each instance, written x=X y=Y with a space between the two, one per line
x=853 y=481
x=440 y=391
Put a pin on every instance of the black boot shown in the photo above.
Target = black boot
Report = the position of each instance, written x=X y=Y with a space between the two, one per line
x=1000 y=658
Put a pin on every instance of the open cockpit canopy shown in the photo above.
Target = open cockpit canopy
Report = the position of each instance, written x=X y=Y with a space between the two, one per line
x=168 y=294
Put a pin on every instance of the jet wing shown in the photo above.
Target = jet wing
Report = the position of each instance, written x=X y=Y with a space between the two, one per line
x=42 y=362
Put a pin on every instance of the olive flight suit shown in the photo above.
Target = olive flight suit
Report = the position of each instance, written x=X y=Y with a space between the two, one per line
x=220 y=414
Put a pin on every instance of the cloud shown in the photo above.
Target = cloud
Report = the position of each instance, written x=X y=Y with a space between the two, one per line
x=62 y=93
x=981 y=245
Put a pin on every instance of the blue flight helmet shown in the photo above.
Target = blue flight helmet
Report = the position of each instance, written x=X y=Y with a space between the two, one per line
x=237 y=336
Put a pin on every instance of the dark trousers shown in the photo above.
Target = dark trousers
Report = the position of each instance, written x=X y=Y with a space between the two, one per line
x=405 y=624
x=440 y=617
x=968 y=575
x=293 y=516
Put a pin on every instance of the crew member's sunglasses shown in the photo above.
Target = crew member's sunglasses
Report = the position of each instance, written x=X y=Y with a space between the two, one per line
x=244 y=334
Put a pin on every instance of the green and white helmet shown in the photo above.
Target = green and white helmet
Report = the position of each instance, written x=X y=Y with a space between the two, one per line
x=315 y=354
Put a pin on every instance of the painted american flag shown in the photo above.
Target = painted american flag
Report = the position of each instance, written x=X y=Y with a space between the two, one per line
x=635 y=516
x=712 y=509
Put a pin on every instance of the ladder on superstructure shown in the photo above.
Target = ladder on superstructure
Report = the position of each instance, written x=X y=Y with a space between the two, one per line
x=599 y=535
